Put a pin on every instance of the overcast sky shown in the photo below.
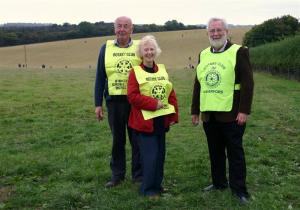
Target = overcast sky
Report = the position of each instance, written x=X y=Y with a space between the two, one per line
x=145 y=12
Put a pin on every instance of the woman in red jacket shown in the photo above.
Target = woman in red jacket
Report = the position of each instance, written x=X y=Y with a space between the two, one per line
x=153 y=109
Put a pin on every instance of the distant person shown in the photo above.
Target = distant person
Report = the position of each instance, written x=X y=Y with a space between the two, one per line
x=115 y=60
x=223 y=93
x=154 y=109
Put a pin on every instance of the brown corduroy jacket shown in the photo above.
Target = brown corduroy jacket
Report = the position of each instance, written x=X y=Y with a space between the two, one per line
x=242 y=99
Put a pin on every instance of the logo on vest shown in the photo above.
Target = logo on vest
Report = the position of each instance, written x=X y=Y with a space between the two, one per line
x=123 y=66
x=213 y=78
x=158 y=91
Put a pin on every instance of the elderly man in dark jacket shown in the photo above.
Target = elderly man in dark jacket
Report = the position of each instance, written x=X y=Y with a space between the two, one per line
x=223 y=93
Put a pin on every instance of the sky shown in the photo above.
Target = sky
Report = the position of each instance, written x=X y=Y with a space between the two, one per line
x=238 y=12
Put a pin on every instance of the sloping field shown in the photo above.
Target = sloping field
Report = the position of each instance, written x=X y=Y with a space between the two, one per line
x=55 y=155
x=177 y=47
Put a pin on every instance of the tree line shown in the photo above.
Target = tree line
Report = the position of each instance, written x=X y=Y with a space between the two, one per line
x=272 y=30
x=274 y=46
x=19 y=35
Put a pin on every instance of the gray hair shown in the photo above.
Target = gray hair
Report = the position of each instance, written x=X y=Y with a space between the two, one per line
x=217 y=19
x=148 y=39
x=123 y=17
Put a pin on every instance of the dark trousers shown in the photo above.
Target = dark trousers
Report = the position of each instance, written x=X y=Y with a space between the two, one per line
x=221 y=137
x=153 y=149
x=118 y=113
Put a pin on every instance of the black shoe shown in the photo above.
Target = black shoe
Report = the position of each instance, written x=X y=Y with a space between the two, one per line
x=163 y=190
x=113 y=183
x=137 y=180
x=212 y=188
x=243 y=200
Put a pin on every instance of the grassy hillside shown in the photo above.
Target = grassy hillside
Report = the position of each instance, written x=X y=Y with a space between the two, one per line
x=281 y=57
x=55 y=155
x=177 y=47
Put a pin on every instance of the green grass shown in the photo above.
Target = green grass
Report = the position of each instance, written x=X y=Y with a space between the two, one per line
x=55 y=155
x=281 y=57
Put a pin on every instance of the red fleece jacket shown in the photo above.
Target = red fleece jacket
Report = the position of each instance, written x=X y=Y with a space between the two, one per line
x=139 y=102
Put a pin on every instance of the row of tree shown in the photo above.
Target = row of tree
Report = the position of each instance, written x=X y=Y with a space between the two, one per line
x=272 y=30
x=10 y=36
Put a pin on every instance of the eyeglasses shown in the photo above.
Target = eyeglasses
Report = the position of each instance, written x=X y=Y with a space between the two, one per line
x=218 y=30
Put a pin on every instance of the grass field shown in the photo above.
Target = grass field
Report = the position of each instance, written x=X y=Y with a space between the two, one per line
x=55 y=155
x=177 y=47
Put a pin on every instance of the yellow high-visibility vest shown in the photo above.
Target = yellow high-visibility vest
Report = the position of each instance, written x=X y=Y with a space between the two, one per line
x=118 y=62
x=216 y=75
x=156 y=85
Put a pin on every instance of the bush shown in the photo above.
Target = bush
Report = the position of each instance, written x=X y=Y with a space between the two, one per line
x=271 y=30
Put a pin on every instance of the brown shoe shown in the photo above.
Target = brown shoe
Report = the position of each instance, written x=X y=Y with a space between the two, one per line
x=154 y=197
x=112 y=183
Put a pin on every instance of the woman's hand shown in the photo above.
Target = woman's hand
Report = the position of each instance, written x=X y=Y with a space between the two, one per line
x=159 y=105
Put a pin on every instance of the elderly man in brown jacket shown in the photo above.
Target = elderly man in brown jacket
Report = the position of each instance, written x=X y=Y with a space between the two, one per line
x=223 y=93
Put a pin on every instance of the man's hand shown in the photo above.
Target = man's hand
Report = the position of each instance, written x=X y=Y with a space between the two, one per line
x=195 y=119
x=241 y=118
x=99 y=113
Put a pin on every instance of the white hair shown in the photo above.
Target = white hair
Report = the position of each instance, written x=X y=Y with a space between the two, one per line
x=145 y=40
x=223 y=21
x=123 y=17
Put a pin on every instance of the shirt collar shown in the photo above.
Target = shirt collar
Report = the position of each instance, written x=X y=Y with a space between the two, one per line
x=155 y=67
x=130 y=42
x=222 y=49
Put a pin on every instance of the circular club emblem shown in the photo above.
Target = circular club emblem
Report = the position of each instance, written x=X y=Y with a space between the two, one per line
x=213 y=78
x=158 y=92
x=123 y=66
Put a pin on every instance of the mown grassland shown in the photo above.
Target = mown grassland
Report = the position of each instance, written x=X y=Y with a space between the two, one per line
x=177 y=47
x=55 y=155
